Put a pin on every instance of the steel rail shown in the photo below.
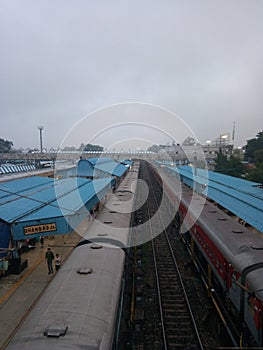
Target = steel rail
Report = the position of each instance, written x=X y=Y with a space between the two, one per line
x=180 y=279
x=158 y=286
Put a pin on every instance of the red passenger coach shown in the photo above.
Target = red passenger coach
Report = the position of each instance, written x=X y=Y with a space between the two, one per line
x=228 y=255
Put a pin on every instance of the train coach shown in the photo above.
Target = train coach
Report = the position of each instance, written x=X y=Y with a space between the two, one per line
x=229 y=255
x=79 y=308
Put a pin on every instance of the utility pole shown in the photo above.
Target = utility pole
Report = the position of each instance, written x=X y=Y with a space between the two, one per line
x=40 y=128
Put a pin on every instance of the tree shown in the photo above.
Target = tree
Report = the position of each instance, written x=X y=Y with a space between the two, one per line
x=235 y=167
x=81 y=147
x=254 y=145
x=232 y=167
x=258 y=154
x=93 y=148
x=221 y=162
x=5 y=146
x=154 y=148
x=256 y=174
x=189 y=141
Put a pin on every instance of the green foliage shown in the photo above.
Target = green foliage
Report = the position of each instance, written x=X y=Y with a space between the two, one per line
x=258 y=154
x=154 y=148
x=232 y=167
x=253 y=146
x=81 y=147
x=5 y=146
x=256 y=174
x=93 y=148
x=254 y=154
x=221 y=162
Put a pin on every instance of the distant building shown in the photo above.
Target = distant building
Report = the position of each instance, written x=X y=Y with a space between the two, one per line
x=193 y=153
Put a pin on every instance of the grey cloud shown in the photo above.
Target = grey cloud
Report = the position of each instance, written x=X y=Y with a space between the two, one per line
x=62 y=60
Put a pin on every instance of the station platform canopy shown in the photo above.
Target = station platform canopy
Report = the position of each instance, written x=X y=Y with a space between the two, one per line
x=42 y=206
x=100 y=167
x=126 y=162
x=12 y=168
x=241 y=197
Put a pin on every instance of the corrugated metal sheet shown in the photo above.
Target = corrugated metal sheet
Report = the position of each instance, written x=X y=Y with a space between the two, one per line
x=112 y=168
x=239 y=184
x=70 y=194
x=10 y=168
x=16 y=186
x=85 y=168
x=126 y=161
x=98 y=167
x=236 y=195
x=98 y=160
x=65 y=212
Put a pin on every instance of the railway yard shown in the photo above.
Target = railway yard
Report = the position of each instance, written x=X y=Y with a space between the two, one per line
x=171 y=307
x=139 y=277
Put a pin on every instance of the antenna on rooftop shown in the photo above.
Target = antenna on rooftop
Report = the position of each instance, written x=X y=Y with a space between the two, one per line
x=233 y=133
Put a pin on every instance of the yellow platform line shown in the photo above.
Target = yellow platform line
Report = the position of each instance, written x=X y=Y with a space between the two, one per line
x=8 y=294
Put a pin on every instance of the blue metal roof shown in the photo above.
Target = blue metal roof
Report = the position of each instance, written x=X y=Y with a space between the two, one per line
x=98 y=167
x=237 y=195
x=112 y=168
x=98 y=160
x=71 y=202
x=85 y=168
x=126 y=161
x=12 y=168
x=68 y=195
x=239 y=184
x=20 y=185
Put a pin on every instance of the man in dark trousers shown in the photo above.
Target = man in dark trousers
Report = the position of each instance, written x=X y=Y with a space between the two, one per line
x=49 y=258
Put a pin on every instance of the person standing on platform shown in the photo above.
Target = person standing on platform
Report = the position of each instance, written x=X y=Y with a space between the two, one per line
x=57 y=262
x=42 y=241
x=49 y=259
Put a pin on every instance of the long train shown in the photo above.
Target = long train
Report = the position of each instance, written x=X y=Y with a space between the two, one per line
x=230 y=254
x=78 y=309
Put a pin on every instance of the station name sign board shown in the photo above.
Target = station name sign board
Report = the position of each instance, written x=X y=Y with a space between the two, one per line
x=30 y=230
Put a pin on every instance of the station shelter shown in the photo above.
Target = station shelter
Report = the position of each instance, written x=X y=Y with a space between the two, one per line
x=95 y=168
x=39 y=206
x=241 y=197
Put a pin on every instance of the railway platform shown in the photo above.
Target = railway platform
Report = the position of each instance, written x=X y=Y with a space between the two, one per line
x=18 y=293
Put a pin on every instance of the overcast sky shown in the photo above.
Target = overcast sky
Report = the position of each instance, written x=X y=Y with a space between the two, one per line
x=63 y=62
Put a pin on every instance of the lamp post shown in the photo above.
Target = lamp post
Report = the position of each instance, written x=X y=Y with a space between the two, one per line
x=40 y=128
x=222 y=142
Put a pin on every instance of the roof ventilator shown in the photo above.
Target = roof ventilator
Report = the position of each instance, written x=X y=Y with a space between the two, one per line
x=56 y=330
x=84 y=270
x=96 y=246
x=237 y=231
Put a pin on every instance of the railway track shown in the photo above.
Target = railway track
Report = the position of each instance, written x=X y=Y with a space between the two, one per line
x=163 y=281
x=179 y=328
